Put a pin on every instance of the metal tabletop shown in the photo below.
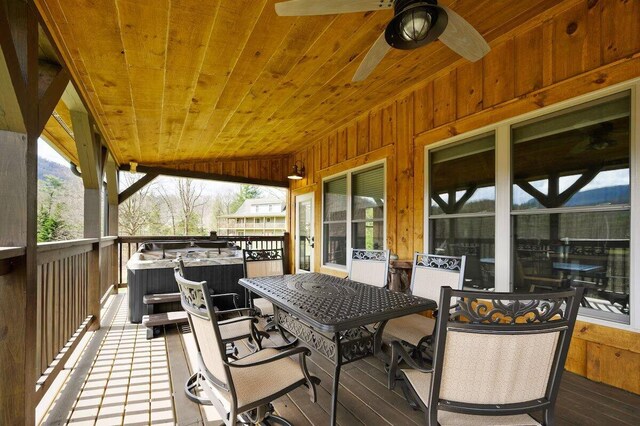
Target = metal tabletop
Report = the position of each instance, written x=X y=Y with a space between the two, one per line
x=328 y=314
x=332 y=304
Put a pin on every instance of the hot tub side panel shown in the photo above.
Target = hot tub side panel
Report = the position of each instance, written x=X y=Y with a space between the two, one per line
x=221 y=279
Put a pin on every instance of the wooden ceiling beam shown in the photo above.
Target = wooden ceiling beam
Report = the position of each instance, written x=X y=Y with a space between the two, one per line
x=136 y=186
x=88 y=150
x=11 y=118
x=52 y=82
x=13 y=89
x=165 y=171
x=111 y=170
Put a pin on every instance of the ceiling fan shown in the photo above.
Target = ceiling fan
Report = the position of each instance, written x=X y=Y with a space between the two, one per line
x=415 y=23
x=597 y=137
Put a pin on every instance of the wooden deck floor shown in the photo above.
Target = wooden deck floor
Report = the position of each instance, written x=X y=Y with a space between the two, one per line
x=122 y=378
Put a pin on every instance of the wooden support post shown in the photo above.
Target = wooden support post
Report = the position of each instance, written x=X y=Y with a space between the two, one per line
x=90 y=155
x=111 y=172
x=15 y=211
x=28 y=93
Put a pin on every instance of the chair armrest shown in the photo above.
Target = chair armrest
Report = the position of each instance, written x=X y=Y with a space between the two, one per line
x=246 y=312
x=234 y=320
x=234 y=295
x=397 y=353
x=280 y=355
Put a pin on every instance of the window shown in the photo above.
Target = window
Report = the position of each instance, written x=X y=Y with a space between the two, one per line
x=571 y=204
x=462 y=205
x=367 y=223
x=353 y=214
x=544 y=203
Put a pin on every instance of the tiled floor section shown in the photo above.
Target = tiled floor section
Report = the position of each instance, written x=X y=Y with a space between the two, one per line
x=119 y=387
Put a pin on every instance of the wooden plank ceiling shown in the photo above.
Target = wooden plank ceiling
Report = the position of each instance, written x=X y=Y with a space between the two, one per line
x=178 y=80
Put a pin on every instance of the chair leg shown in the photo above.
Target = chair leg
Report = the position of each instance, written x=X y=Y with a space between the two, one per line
x=408 y=396
x=190 y=389
x=270 y=324
x=263 y=415
x=548 y=417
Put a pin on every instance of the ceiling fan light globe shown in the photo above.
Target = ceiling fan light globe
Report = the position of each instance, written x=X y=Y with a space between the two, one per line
x=415 y=25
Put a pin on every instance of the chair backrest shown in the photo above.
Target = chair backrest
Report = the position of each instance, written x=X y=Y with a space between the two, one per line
x=197 y=302
x=369 y=266
x=263 y=263
x=431 y=272
x=181 y=267
x=500 y=353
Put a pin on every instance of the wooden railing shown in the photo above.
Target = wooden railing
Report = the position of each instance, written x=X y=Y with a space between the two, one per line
x=128 y=245
x=72 y=277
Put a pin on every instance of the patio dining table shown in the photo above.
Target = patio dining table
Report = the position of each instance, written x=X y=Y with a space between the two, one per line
x=331 y=315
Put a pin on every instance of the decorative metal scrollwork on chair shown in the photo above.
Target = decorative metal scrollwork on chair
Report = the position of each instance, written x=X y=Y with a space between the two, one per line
x=530 y=335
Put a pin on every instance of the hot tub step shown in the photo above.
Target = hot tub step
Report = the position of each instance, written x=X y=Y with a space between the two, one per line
x=166 y=318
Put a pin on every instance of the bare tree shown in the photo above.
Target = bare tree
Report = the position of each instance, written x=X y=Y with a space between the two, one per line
x=132 y=212
x=167 y=199
x=221 y=205
x=190 y=196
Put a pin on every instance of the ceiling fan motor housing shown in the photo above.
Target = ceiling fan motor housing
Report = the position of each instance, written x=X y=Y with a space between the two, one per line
x=415 y=23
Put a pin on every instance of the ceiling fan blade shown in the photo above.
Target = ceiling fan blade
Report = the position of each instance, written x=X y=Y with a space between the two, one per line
x=372 y=59
x=329 y=7
x=462 y=38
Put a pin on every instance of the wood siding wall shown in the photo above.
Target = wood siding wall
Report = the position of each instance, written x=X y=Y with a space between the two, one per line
x=260 y=170
x=575 y=48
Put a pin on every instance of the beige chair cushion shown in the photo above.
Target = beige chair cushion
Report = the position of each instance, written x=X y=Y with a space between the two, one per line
x=255 y=383
x=234 y=330
x=209 y=348
x=496 y=369
x=411 y=328
x=266 y=307
x=264 y=268
x=421 y=383
x=368 y=272
x=427 y=282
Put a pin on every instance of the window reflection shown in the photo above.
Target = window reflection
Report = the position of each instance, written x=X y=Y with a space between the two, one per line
x=462 y=206
x=575 y=162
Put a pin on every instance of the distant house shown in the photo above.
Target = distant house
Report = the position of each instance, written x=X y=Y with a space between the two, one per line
x=258 y=216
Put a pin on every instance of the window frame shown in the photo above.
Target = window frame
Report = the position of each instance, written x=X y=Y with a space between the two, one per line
x=349 y=220
x=503 y=213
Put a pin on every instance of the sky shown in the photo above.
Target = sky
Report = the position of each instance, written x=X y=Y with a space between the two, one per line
x=45 y=151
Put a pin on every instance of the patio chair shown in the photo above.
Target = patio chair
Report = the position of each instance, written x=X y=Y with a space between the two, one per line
x=534 y=270
x=495 y=361
x=369 y=266
x=262 y=263
x=430 y=273
x=240 y=323
x=244 y=387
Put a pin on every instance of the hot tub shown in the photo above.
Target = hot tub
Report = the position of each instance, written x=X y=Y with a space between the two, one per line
x=150 y=271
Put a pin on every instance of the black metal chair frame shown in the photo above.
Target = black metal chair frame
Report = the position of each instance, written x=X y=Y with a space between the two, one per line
x=254 y=338
x=475 y=312
x=435 y=261
x=261 y=255
x=196 y=300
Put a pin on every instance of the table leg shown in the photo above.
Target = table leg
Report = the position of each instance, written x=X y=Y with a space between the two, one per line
x=336 y=378
x=334 y=393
